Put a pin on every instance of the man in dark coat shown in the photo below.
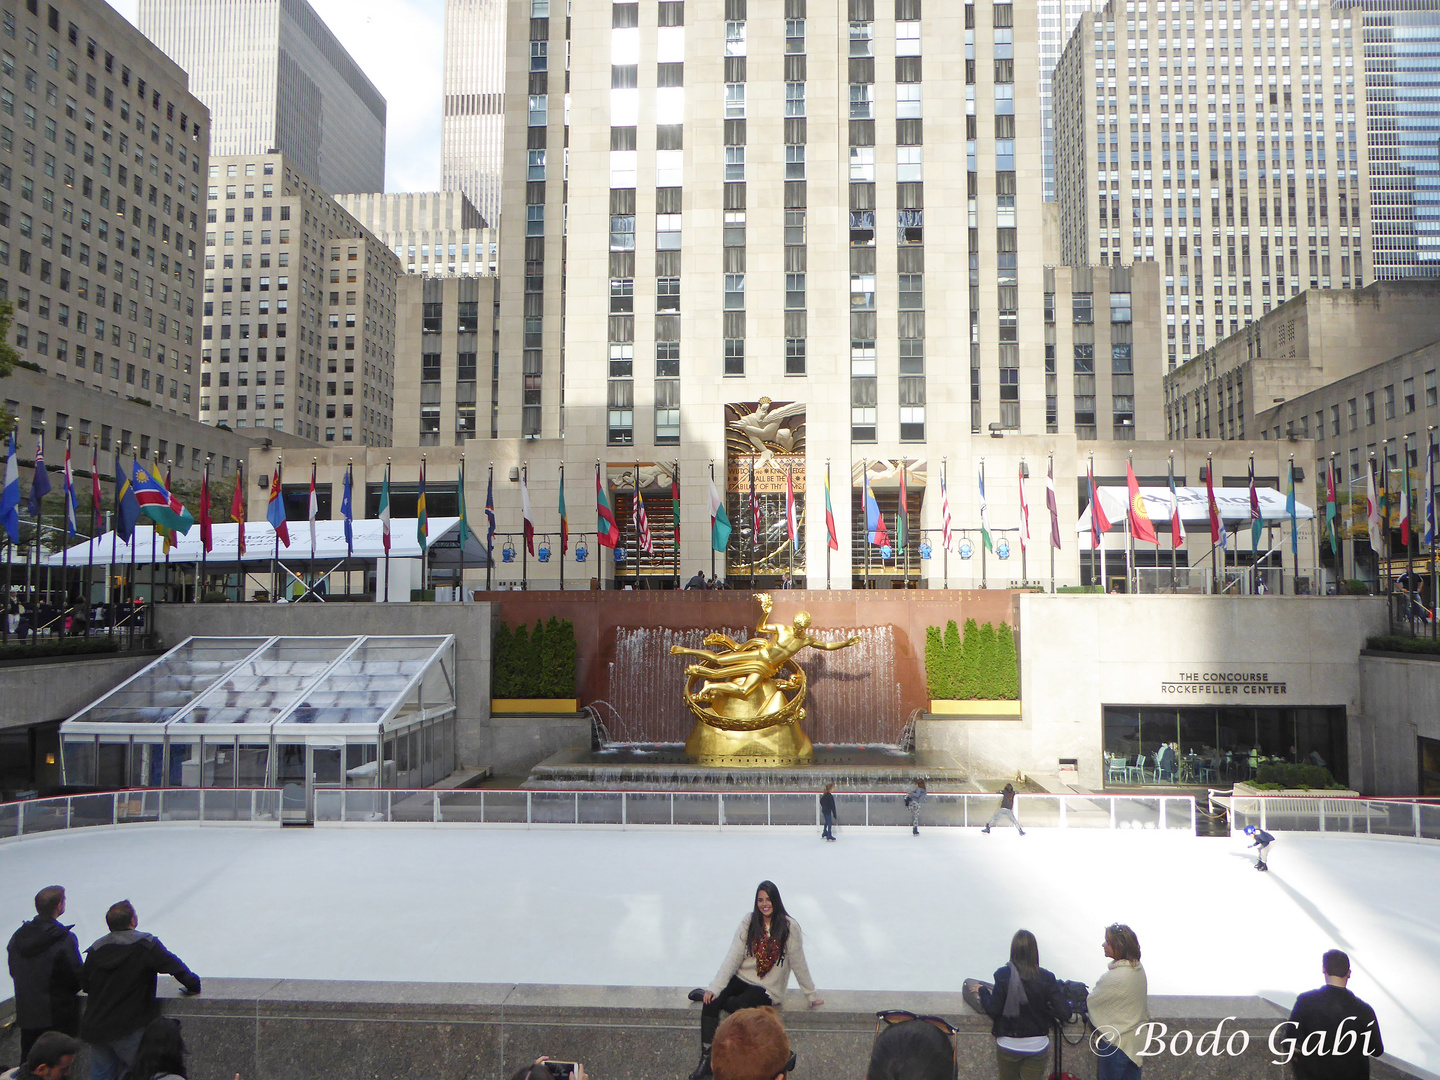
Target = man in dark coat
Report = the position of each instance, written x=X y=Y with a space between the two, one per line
x=1348 y=1033
x=45 y=964
x=119 y=975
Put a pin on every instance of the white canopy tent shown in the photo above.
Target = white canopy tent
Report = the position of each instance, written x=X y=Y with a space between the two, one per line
x=1194 y=503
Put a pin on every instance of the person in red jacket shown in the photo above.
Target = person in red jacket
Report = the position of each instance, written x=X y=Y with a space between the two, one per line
x=119 y=976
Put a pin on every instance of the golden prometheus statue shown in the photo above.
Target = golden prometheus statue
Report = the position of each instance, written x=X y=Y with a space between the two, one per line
x=749 y=699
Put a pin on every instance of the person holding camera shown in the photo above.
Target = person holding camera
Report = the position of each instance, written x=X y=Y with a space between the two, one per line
x=767 y=947
x=545 y=1069
x=1024 y=1004
x=1119 y=1005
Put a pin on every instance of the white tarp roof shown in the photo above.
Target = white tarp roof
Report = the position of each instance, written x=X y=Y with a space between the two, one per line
x=260 y=543
x=1234 y=505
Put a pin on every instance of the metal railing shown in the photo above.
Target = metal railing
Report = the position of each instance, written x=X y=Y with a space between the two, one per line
x=1367 y=817
x=1233 y=580
x=252 y=806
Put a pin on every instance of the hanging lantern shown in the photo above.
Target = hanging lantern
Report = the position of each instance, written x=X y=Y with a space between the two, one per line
x=507 y=553
x=886 y=551
x=619 y=554
x=925 y=549
x=1002 y=549
x=543 y=552
x=582 y=552
x=966 y=549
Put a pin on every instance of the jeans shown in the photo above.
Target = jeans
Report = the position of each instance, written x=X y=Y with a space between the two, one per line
x=914 y=813
x=1111 y=1063
x=829 y=833
x=1001 y=817
x=737 y=995
x=1014 y=1066
x=111 y=1060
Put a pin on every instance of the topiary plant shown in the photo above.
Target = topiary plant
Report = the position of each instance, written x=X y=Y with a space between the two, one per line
x=954 y=660
x=1007 y=664
x=934 y=662
x=971 y=677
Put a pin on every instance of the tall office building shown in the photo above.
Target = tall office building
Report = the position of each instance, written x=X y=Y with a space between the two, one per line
x=1058 y=19
x=1225 y=140
x=276 y=79
x=1402 y=66
x=472 y=133
x=299 y=313
x=433 y=233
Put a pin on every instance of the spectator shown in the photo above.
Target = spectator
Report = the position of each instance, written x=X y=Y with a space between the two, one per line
x=161 y=1054
x=696 y=582
x=49 y=1059
x=1348 y=1033
x=1118 y=1006
x=912 y=1048
x=45 y=964
x=1025 y=1003
x=752 y=1045
x=1006 y=811
x=119 y=975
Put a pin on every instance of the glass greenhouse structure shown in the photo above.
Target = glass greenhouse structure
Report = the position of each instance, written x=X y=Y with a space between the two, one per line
x=295 y=713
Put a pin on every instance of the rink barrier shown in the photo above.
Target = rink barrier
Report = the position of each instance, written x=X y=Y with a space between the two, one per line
x=1407 y=818
x=247 y=806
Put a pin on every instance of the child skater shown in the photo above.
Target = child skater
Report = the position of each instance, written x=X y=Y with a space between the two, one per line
x=913 y=800
x=1262 y=840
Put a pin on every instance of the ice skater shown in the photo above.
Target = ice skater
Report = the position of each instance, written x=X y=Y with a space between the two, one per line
x=917 y=795
x=1006 y=811
x=1262 y=840
x=756 y=970
x=827 y=808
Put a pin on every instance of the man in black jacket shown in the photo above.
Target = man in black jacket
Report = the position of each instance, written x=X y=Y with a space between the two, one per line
x=45 y=964
x=119 y=975
x=1349 y=1034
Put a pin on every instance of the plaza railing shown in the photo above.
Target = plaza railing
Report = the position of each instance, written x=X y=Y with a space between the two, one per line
x=248 y=806
x=1408 y=818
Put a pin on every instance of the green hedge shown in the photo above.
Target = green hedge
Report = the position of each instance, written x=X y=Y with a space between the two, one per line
x=983 y=665
x=534 y=663
x=58 y=647
x=1423 y=646
x=1285 y=775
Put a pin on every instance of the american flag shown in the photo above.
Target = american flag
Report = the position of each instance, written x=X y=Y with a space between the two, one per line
x=642 y=524
x=945 y=512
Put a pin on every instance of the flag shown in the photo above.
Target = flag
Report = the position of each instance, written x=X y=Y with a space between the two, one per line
x=237 y=507
x=564 y=519
x=127 y=509
x=1141 y=527
x=1256 y=522
x=874 y=520
x=1024 y=512
x=1405 y=498
x=1294 y=518
x=10 y=494
x=944 y=513
x=156 y=502
x=832 y=539
x=70 y=529
x=525 y=511
x=1052 y=505
x=607 y=532
x=464 y=527
x=719 y=520
x=40 y=485
x=170 y=534
x=207 y=540
x=902 y=519
x=1217 y=526
x=275 y=509
x=1330 y=509
x=1177 y=527
x=1429 y=493
x=422 y=519
x=314 y=509
x=96 y=496
x=1099 y=523
x=490 y=516
x=755 y=522
x=675 y=505
x=790 y=528
x=984 y=509
x=1372 y=509
x=347 y=508
x=385 y=510
x=642 y=523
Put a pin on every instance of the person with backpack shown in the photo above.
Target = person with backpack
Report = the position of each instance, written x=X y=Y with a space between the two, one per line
x=1119 y=1007
x=1025 y=1003
x=1006 y=811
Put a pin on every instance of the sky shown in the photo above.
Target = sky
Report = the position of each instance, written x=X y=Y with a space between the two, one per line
x=398 y=44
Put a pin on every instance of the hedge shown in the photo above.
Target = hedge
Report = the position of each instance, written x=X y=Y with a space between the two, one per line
x=1403 y=644
x=983 y=665
x=58 y=647
x=534 y=663
x=1284 y=775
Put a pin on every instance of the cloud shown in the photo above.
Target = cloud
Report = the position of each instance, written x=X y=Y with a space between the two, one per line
x=399 y=46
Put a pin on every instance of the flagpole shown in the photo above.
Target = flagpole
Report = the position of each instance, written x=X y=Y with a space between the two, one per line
x=1335 y=537
x=1049 y=483
x=1430 y=519
x=944 y=540
x=827 y=529
x=489 y=538
x=33 y=571
x=460 y=505
x=754 y=522
x=1024 y=528
x=1350 y=517
x=205 y=480
x=865 y=514
x=525 y=546
x=311 y=511
x=639 y=550
x=1131 y=583
x=1385 y=513
x=68 y=485
x=675 y=524
x=1174 y=540
x=712 y=524
x=1214 y=558
x=1409 y=545
x=130 y=633
x=983 y=583
x=562 y=545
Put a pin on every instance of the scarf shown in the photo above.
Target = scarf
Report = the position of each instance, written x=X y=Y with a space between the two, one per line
x=1015 y=998
x=767 y=954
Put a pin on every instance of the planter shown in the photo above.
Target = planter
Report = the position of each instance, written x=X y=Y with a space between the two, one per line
x=1242 y=790
x=552 y=706
x=975 y=710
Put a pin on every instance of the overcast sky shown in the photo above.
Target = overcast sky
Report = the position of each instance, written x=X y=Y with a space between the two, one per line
x=397 y=43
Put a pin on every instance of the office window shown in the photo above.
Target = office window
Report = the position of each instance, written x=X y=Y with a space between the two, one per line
x=794 y=356
x=1408 y=390
x=1390 y=402
x=734 y=356
x=795 y=161
x=734 y=163
x=795 y=99
x=734 y=101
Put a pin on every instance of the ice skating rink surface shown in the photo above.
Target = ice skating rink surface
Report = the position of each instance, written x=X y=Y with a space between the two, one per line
x=880 y=909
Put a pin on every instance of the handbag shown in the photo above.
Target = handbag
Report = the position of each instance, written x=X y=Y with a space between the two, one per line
x=970 y=991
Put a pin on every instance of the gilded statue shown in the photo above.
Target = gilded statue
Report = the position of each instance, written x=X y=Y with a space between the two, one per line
x=748 y=699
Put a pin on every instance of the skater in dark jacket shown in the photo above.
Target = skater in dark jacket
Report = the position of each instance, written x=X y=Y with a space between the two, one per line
x=1262 y=840
x=45 y=964
x=119 y=975
x=1006 y=811
x=1025 y=1004
x=827 y=809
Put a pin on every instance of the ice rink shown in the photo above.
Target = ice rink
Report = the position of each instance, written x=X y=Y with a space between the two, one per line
x=880 y=909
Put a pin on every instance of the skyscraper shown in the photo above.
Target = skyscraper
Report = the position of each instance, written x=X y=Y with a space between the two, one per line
x=1057 y=20
x=275 y=78
x=1234 y=153
x=472 y=133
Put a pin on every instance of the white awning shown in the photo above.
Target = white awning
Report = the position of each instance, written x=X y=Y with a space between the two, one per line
x=444 y=544
x=1233 y=503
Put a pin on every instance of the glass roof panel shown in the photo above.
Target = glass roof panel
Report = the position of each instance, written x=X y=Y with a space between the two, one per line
x=362 y=687
x=260 y=689
x=172 y=682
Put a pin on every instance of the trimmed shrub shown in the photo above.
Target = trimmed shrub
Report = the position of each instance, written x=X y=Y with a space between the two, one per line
x=970 y=676
x=1007 y=663
x=1286 y=775
x=501 y=682
x=536 y=662
x=934 y=662
x=58 y=647
x=954 y=659
x=1419 y=646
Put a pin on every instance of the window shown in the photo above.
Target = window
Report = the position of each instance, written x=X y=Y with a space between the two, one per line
x=795 y=99
x=539 y=56
x=907 y=101
x=1120 y=307
x=907 y=38
x=735 y=38
x=535 y=219
x=734 y=101
x=862 y=163
x=734 y=292
x=667 y=232
x=862 y=409
x=1370 y=409
x=795 y=161
x=621 y=413
x=734 y=163
x=536 y=167
x=1409 y=393
x=622 y=232
x=667 y=410
x=912 y=292
x=539 y=109
x=862 y=101
x=794 y=291
x=622 y=295
x=667 y=359
x=734 y=356
x=794 y=228
x=794 y=356
x=862 y=39
x=794 y=36
x=622 y=360
x=1352 y=412
x=862 y=292
x=667 y=294
x=1430 y=399
x=909 y=164
x=1390 y=402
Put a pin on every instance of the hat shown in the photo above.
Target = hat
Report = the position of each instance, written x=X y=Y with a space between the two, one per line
x=1249 y=830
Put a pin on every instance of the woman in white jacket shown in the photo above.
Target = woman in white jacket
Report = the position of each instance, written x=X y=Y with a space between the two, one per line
x=1119 y=1006
x=767 y=947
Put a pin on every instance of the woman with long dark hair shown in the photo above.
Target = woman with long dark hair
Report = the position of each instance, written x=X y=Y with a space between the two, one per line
x=161 y=1053
x=1024 y=1004
x=766 y=949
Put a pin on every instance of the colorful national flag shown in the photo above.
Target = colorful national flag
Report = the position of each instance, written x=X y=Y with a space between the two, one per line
x=1024 y=511
x=607 y=532
x=464 y=526
x=237 y=508
x=490 y=516
x=832 y=539
x=1053 y=506
x=347 y=508
x=156 y=502
x=874 y=520
x=1330 y=509
x=70 y=527
x=1099 y=523
x=275 y=509
x=385 y=510
x=791 y=528
x=314 y=509
x=1292 y=510
x=719 y=520
x=127 y=509
x=1372 y=509
x=40 y=485
x=1405 y=497
x=1177 y=527
x=1429 y=536
x=171 y=537
x=902 y=517
x=10 y=494
x=422 y=518
x=207 y=536
x=642 y=522
x=675 y=505
x=1256 y=521
x=525 y=516
x=1141 y=528
x=984 y=509
x=1217 y=526
x=564 y=518
x=945 y=524
x=96 y=495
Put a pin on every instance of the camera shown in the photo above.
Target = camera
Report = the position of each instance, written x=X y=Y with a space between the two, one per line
x=561 y=1070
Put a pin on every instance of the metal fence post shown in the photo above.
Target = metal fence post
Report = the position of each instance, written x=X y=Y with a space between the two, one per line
x=69 y=811
x=577 y=807
x=672 y=808
x=1415 y=817
x=529 y=809
x=867 y=809
x=1064 y=806
x=1262 y=811
x=624 y=809
x=768 y=818
x=1112 y=811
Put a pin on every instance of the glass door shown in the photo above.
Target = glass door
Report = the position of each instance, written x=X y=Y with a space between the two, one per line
x=292 y=774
